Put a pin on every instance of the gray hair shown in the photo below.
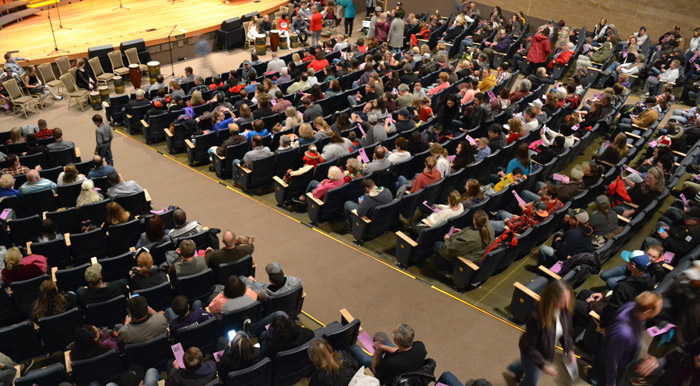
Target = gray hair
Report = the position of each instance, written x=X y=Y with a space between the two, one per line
x=372 y=118
x=284 y=71
x=285 y=141
x=403 y=335
x=526 y=84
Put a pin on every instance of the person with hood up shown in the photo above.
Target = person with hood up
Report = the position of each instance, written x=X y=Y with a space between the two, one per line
x=540 y=48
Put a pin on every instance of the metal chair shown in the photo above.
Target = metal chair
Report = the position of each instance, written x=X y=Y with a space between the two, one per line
x=63 y=64
x=74 y=93
x=101 y=76
x=49 y=77
x=17 y=97
x=115 y=58
x=132 y=56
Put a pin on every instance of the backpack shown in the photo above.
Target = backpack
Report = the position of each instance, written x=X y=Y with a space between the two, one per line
x=421 y=377
x=507 y=239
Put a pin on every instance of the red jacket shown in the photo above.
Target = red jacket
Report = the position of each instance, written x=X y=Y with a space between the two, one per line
x=316 y=22
x=562 y=59
x=540 y=47
x=318 y=65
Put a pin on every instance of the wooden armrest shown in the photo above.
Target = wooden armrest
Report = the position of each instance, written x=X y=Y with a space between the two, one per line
x=671 y=83
x=245 y=169
x=53 y=273
x=594 y=315
x=93 y=260
x=66 y=236
x=549 y=272
x=129 y=116
x=303 y=294
x=667 y=267
x=469 y=264
x=425 y=221
x=605 y=163
x=633 y=76
x=630 y=145
x=168 y=132
x=594 y=69
x=277 y=180
x=148 y=196
x=69 y=364
x=310 y=196
x=500 y=53
x=144 y=123
x=189 y=144
x=407 y=239
x=632 y=135
x=637 y=126
x=29 y=248
x=577 y=139
x=527 y=291
x=678 y=153
x=77 y=152
x=635 y=206
x=132 y=249
x=363 y=218
x=535 y=162
x=105 y=104
x=161 y=382
x=621 y=218
x=345 y=316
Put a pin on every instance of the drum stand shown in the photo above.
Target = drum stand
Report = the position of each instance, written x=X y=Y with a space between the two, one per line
x=55 y=51
x=121 y=7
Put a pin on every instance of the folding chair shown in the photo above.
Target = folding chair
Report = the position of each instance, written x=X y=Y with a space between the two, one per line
x=48 y=76
x=101 y=76
x=17 y=97
x=74 y=93
x=115 y=58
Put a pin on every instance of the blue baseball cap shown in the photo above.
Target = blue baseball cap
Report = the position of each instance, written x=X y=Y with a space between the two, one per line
x=636 y=257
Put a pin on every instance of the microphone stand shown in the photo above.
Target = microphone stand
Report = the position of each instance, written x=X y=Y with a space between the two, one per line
x=170 y=49
x=55 y=51
x=121 y=7
x=60 y=24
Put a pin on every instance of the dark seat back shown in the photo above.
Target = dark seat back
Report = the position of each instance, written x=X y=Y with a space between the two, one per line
x=25 y=229
x=56 y=252
x=124 y=236
x=103 y=368
x=68 y=194
x=290 y=303
x=158 y=297
x=66 y=221
x=259 y=374
x=234 y=320
x=240 y=267
x=155 y=353
x=96 y=212
x=20 y=341
x=70 y=279
x=106 y=313
x=202 y=335
x=25 y=292
x=344 y=337
x=83 y=246
x=58 y=331
x=262 y=171
x=51 y=375
x=38 y=202
x=135 y=203
x=197 y=286
x=290 y=366
x=61 y=157
x=117 y=267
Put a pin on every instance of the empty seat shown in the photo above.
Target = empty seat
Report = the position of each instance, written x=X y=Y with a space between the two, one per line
x=154 y=353
x=58 y=331
x=56 y=252
x=124 y=236
x=158 y=297
x=39 y=202
x=51 y=375
x=240 y=267
x=86 y=245
x=202 y=335
x=259 y=374
x=196 y=287
x=70 y=279
x=117 y=267
x=135 y=203
x=66 y=221
x=20 y=341
x=25 y=229
x=106 y=314
x=344 y=337
x=25 y=292
x=290 y=366
x=103 y=368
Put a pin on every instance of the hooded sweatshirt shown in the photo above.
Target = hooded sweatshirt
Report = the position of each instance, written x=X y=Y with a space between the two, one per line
x=540 y=47
x=626 y=291
x=375 y=197
x=575 y=240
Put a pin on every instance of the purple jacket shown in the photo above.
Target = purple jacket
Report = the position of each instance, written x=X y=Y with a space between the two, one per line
x=621 y=347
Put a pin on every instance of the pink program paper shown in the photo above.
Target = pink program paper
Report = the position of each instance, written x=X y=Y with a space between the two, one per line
x=655 y=331
x=697 y=177
x=359 y=126
x=5 y=213
x=492 y=96
x=575 y=127
x=471 y=140
x=451 y=232
x=653 y=144
x=518 y=198
x=668 y=257
x=440 y=384
x=218 y=355
x=560 y=177
x=685 y=200
x=430 y=207
x=366 y=341
x=363 y=154
x=556 y=268
x=629 y=169
x=451 y=157
x=159 y=211
x=178 y=353
x=390 y=119
x=692 y=59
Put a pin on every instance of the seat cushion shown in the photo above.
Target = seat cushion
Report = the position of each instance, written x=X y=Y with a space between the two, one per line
x=78 y=94
x=105 y=76
x=23 y=99
x=55 y=83
x=143 y=67
x=121 y=71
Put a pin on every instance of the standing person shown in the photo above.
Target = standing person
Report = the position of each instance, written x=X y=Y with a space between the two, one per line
x=623 y=340
x=540 y=47
x=103 y=139
x=349 y=6
x=202 y=49
x=316 y=26
x=370 y=4
x=396 y=28
x=548 y=323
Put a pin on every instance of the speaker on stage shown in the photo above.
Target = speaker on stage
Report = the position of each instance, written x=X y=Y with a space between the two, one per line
x=101 y=52
x=140 y=45
x=249 y=16
x=231 y=24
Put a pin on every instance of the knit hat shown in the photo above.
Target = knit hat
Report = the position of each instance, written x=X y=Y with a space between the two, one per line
x=404 y=112
x=536 y=103
x=697 y=197
x=426 y=56
x=692 y=214
x=664 y=140
x=275 y=273
x=93 y=274
x=579 y=214
x=602 y=202
x=138 y=307
x=636 y=257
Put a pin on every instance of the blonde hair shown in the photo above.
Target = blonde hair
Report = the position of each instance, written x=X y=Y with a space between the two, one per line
x=13 y=258
x=196 y=99
x=620 y=144
x=88 y=195
x=515 y=126
x=15 y=135
x=323 y=356
x=145 y=263
x=319 y=121
x=7 y=181
x=305 y=131
x=334 y=173
x=116 y=214
x=454 y=198
x=70 y=173
x=437 y=149
x=296 y=58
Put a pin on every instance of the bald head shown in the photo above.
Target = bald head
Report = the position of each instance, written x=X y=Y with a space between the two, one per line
x=33 y=176
x=229 y=239
x=96 y=161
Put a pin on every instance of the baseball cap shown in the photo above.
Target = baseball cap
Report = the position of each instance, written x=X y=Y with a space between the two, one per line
x=636 y=257
x=93 y=274
x=403 y=87
x=246 y=61
x=665 y=140
x=693 y=273
x=692 y=214
x=536 y=103
x=579 y=214
x=275 y=273
x=602 y=202
x=540 y=209
x=138 y=307
x=158 y=104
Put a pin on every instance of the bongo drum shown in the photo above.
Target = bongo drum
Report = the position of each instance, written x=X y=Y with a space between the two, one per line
x=95 y=100
x=135 y=75
x=104 y=93
x=294 y=40
x=118 y=84
x=274 y=40
x=260 y=44
x=153 y=71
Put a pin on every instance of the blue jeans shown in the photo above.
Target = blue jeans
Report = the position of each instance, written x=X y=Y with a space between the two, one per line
x=466 y=42
x=360 y=356
x=151 y=378
x=311 y=186
x=105 y=152
x=211 y=153
x=449 y=379
x=170 y=314
x=613 y=276
x=526 y=370
x=349 y=207
x=499 y=225
x=528 y=196
x=235 y=171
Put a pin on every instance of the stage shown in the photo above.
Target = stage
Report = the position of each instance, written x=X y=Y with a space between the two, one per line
x=94 y=23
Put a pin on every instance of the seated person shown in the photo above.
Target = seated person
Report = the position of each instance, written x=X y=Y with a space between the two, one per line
x=574 y=240
x=239 y=353
x=120 y=187
x=430 y=175
x=615 y=275
x=142 y=323
x=280 y=284
x=196 y=371
x=231 y=251
x=392 y=359
x=97 y=290
x=469 y=243
x=20 y=269
x=182 y=315
x=36 y=184
x=514 y=177
x=604 y=221
x=99 y=168
x=679 y=239
x=640 y=191
x=145 y=275
x=283 y=334
x=188 y=264
x=330 y=367
x=183 y=228
x=547 y=196
x=91 y=342
x=155 y=233
x=373 y=197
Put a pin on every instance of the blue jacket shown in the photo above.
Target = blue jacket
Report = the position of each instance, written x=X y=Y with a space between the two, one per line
x=349 y=6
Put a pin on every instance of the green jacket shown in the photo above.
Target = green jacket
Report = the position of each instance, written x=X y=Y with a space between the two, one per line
x=601 y=55
x=465 y=243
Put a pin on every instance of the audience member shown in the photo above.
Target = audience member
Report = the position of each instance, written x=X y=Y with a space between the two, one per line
x=120 y=187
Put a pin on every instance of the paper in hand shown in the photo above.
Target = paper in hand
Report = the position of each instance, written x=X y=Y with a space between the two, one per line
x=359 y=126
x=178 y=353
x=218 y=355
x=655 y=331
x=366 y=341
x=575 y=127
x=471 y=140
x=363 y=154
x=685 y=200
x=451 y=157
x=629 y=169
x=668 y=257
x=560 y=177
x=518 y=198
x=451 y=232
x=491 y=96
x=653 y=144
x=430 y=207
x=571 y=368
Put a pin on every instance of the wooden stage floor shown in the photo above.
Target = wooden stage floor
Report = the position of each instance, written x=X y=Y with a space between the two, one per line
x=94 y=23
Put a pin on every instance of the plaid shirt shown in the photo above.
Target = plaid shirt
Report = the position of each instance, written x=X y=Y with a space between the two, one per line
x=14 y=172
x=45 y=133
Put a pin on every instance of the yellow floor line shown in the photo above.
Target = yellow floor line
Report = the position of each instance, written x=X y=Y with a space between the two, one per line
x=312 y=318
x=322 y=233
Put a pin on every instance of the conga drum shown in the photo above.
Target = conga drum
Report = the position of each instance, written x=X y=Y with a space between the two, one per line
x=104 y=93
x=153 y=71
x=261 y=44
x=95 y=100
x=135 y=75
x=118 y=84
x=283 y=43
x=294 y=40
x=274 y=40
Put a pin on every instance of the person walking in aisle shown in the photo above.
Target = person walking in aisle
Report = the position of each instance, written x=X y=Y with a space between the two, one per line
x=103 y=138
x=349 y=6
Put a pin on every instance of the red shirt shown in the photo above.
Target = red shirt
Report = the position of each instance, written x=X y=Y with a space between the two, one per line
x=318 y=65
x=425 y=113
x=424 y=179
x=283 y=25
x=316 y=22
